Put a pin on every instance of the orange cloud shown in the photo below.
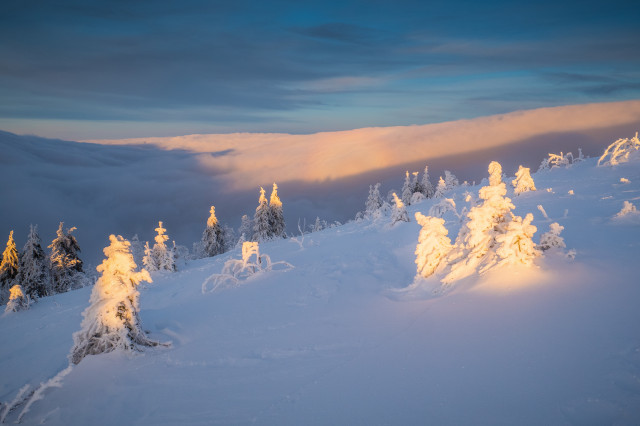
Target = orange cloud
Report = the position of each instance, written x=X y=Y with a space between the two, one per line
x=256 y=158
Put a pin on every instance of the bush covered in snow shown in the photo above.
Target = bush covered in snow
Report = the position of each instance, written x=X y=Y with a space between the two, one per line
x=399 y=211
x=621 y=151
x=433 y=245
x=523 y=181
x=234 y=271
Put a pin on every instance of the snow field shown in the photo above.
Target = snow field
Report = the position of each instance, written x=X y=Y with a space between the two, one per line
x=342 y=338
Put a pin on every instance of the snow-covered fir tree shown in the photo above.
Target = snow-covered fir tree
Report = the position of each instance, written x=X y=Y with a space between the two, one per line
x=18 y=301
x=111 y=321
x=523 y=181
x=407 y=189
x=262 y=219
x=148 y=260
x=374 y=200
x=416 y=185
x=433 y=245
x=427 y=187
x=245 y=231
x=399 y=211
x=164 y=257
x=441 y=188
x=8 y=268
x=34 y=274
x=213 y=241
x=450 y=181
x=66 y=266
x=276 y=215
x=318 y=225
x=552 y=239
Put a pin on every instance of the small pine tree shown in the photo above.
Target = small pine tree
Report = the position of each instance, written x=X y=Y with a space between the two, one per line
x=261 y=219
x=523 y=181
x=148 y=260
x=407 y=190
x=66 y=266
x=318 y=225
x=246 y=229
x=450 y=180
x=433 y=245
x=399 y=211
x=213 y=241
x=111 y=321
x=18 y=301
x=441 y=189
x=163 y=256
x=34 y=273
x=427 y=187
x=374 y=201
x=416 y=186
x=8 y=268
x=276 y=215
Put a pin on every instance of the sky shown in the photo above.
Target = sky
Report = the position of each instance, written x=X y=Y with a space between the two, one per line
x=78 y=69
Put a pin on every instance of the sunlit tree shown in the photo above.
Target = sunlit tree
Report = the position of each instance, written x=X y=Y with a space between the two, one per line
x=111 y=321
x=8 y=268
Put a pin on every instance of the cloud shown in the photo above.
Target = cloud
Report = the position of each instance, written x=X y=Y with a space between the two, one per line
x=262 y=158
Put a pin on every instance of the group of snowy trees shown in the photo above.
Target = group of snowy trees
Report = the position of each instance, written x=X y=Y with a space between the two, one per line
x=414 y=190
x=31 y=273
x=490 y=235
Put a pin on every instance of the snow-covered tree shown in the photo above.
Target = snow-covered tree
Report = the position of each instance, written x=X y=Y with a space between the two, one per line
x=318 y=225
x=416 y=185
x=441 y=188
x=18 y=301
x=621 y=151
x=433 y=245
x=374 y=201
x=245 y=231
x=523 y=181
x=276 y=215
x=262 y=219
x=66 y=266
x=399 y=211
x=407 y=189
x=213 y=241
x=148 y=260
x=552 y=238
x=515 y=246
x=427 y=187
x=34 y=274
x=8 y=268
x=450 y=180
x=163 y=256
x=111 y=321
x=443 y=206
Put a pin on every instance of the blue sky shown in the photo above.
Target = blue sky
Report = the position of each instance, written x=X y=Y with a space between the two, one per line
x=109 y=69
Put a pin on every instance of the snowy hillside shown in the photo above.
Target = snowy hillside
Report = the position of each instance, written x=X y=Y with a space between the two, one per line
x=338 y=339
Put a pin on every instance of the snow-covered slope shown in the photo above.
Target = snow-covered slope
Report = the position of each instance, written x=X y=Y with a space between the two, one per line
x=336 y=339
